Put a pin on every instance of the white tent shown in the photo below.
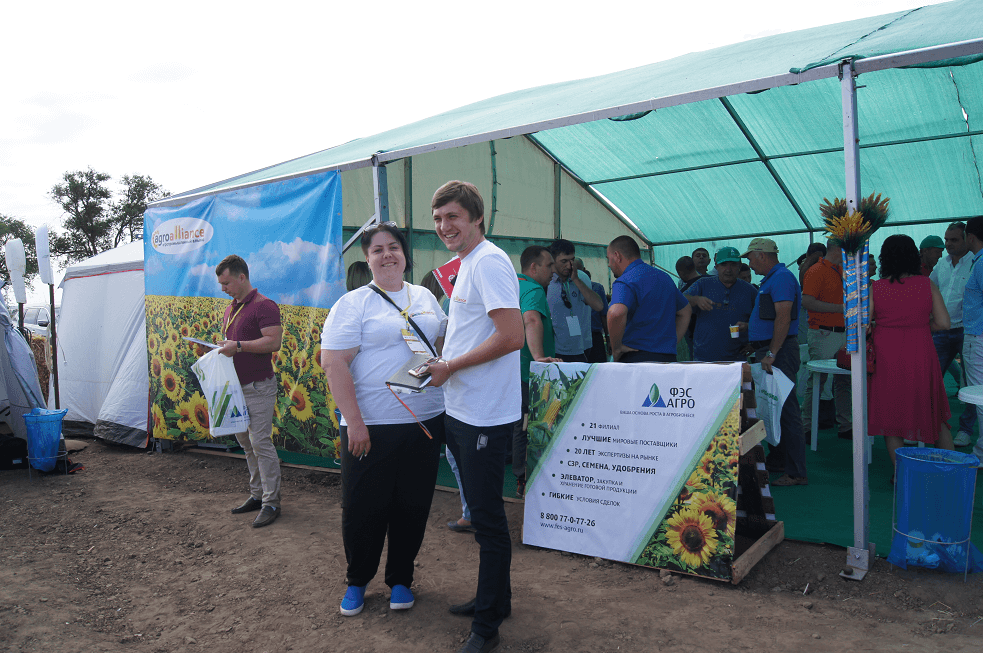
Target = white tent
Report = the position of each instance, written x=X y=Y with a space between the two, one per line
x=102 y=347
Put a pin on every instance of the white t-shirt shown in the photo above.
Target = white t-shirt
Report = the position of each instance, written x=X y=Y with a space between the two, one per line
x=363 y=319
x=488 y=394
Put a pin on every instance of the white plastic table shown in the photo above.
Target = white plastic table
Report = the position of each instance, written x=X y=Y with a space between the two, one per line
x=971 y=394
x=819 y=367
x=828 y=366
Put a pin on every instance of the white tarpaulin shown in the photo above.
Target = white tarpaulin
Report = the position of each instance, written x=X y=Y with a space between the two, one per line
x=102 y=347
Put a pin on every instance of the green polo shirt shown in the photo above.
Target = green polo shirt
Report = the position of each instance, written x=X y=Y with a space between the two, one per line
x=532 y=297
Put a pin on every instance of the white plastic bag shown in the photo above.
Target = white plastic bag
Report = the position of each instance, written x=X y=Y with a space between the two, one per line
x=227 y=410
x=770 y=393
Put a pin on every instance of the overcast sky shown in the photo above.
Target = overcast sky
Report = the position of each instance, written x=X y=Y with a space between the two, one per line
x=191 y=93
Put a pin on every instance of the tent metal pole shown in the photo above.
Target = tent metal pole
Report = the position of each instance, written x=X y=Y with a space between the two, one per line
x=408 y=209
x=858 y=556
x=557 y=175
x=380 y=192
x=373 y=220
x=494 y=189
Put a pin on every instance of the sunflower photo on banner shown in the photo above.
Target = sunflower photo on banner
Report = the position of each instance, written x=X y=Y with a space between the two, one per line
x=635 y=463
x=289 y=233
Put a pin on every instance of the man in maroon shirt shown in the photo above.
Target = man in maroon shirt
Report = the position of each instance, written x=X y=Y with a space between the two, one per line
x=252 y=331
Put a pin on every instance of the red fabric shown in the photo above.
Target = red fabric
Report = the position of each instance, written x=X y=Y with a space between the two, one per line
x=906 y=395
x=257 y=312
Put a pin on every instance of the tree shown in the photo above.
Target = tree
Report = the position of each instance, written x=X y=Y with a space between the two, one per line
x=127 y=212
x=11 y=228
x=83 y=196
x=95 y=221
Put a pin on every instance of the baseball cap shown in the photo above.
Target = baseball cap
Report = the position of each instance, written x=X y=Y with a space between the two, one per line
x=761 y=245
x=727 y=255
x=932 y=241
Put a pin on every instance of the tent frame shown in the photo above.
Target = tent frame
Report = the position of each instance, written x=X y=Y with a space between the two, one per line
x=846 y=70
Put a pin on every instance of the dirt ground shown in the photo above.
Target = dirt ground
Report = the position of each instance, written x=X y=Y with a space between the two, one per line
x=139 y=552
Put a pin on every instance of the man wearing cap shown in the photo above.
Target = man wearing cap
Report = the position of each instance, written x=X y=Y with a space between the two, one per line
x=931 y=251
x=648 y=315
x=719 y=303
x=773 y=333
x=950 y=275
x=822 y=297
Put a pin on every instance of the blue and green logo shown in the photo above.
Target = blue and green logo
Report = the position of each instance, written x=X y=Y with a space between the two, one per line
x=654 y=399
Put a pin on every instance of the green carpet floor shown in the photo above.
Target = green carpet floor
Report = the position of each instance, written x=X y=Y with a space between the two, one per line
x=823 y=510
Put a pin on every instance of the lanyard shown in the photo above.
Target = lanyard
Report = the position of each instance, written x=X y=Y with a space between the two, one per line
x=409 y=303
x=225 y=328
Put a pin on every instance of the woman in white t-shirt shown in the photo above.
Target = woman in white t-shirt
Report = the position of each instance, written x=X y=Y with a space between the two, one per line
x=388 y=461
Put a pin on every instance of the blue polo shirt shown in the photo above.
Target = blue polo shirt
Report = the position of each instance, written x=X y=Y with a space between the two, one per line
x=652 y=300
x=973 y=298
x=781 y=286
x=711 y=340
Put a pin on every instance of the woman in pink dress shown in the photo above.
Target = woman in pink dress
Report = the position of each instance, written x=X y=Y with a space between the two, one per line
x=906 y=395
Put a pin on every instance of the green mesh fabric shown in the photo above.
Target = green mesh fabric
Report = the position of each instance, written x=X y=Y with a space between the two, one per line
x=722 y=170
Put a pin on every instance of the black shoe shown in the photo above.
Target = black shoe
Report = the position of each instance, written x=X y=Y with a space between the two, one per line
x=845 y=435
x=467 y=609
x=250 y=505
x=266 y=516
x=458 y=528
x=478 y=644
x=463 y=609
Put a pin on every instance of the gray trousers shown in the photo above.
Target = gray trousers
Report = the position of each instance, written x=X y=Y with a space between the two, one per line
x=257 y=442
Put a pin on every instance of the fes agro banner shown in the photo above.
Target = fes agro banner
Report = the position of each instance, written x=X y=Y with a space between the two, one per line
x=635 y=463
x=289 y=234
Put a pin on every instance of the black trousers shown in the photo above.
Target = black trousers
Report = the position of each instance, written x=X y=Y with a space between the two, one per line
x=520 y=437
x=647 y=357
x=598 y=353
x=480 y=455
x=792 y=449
x=389 y=491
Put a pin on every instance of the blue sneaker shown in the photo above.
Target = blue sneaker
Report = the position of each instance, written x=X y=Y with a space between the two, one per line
x=354 y=601
x=401 y=598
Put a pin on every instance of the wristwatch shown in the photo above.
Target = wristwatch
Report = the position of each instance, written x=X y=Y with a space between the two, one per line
x=239 y=346
x=770 y=354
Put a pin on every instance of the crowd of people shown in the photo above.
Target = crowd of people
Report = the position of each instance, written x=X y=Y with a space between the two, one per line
x=482 y=339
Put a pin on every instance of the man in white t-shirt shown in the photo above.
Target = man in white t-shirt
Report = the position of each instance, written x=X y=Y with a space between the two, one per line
x=482 y=397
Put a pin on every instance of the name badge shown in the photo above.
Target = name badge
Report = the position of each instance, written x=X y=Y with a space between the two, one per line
x=413 y=342
x=573 y=325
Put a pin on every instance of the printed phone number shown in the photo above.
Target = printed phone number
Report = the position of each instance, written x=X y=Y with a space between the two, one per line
x=566 y=519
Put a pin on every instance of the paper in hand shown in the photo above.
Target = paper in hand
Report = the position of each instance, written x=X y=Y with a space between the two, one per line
x=212 y=345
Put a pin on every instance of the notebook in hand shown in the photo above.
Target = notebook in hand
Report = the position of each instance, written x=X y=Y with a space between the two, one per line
x=413 y=375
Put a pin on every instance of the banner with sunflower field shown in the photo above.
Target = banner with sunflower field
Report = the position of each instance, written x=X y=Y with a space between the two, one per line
x=289 y=234
x=635 y=463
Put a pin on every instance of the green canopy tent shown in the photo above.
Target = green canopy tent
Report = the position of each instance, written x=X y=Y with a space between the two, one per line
x=711 y=147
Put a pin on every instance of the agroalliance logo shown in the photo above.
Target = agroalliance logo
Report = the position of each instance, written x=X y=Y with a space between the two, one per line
x=678 y=398
x=180 y=235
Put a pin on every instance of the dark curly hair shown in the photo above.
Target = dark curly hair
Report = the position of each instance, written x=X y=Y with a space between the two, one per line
x=899 y=256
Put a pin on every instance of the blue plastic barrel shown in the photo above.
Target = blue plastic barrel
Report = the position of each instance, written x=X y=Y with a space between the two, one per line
x=43 y=436
x=934 y=491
